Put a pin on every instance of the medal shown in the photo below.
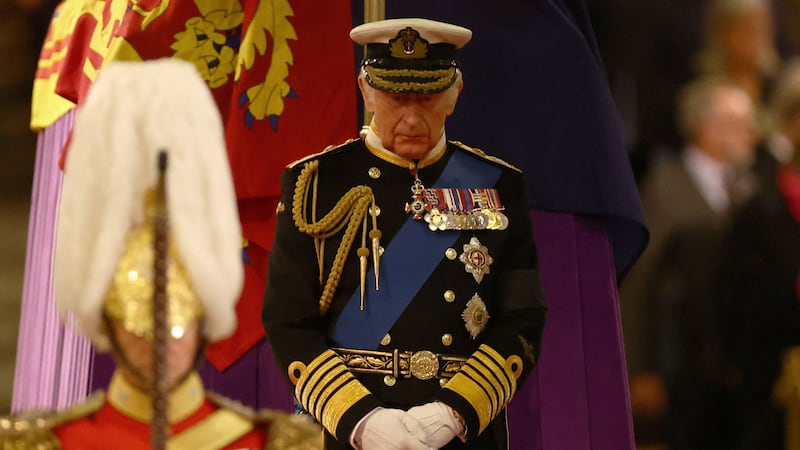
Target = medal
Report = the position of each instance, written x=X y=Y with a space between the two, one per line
x=418 y=205
x=456 y=208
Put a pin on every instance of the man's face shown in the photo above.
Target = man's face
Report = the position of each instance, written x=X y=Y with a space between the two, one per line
x=409 y=124
x=731 y=127
x=181 y=354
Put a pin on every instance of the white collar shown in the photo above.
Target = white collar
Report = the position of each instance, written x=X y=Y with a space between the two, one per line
x=781 y=147
x=373 y=141
x=710 y=177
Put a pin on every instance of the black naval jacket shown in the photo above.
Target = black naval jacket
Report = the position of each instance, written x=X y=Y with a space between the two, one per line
x=497 y=360
x=757 y=298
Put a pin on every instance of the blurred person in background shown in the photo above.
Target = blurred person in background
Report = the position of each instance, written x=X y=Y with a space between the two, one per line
x=759 y=287
x=686 y=202
x=740 y=46
x=785 y=133
x=677 y=42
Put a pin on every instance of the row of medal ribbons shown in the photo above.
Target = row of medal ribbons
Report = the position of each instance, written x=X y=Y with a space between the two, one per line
x=464 y=209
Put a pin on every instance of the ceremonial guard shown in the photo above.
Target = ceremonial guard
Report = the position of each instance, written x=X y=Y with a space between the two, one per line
x=147 y=264
x=403 y=297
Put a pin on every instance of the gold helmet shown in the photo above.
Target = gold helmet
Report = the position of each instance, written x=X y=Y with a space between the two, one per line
x=104 y=243
x=128 y=299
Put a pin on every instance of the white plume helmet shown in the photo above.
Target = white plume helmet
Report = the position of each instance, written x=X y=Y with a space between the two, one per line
x=132 y=111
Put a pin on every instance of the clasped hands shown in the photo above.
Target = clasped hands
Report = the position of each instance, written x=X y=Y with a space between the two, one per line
x=426 y=427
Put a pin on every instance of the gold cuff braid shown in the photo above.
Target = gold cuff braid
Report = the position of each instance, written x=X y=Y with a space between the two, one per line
x=327 y=390
x=486 y=382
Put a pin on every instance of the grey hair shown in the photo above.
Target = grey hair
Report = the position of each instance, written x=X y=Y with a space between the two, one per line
x=696 y=100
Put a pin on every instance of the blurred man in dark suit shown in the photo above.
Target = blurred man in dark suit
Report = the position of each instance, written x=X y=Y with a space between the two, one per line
x=759 y=289
x=687 y=201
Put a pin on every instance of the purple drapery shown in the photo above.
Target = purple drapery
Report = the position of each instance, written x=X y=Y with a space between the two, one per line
x=577 y=396
x=52 y=366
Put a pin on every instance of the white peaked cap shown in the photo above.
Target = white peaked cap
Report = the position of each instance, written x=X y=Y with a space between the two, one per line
x=132 y=111
x=433 y=31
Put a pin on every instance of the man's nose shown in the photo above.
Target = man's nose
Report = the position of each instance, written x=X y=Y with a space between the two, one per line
x=412 y=112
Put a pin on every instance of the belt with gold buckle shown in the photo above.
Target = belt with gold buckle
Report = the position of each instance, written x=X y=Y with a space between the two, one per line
x=422 y=365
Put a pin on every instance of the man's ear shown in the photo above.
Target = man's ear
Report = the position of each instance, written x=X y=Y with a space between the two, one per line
x=367 y=93
x=460 y=83
x=453 y=92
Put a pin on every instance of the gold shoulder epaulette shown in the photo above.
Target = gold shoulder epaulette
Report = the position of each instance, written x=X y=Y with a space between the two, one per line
x=285 y=431
x=482 y=154
x=34 y=429
x=314 y=155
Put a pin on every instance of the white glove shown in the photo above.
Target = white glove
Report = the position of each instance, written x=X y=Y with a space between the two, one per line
x=439 y=423
x=388 y=429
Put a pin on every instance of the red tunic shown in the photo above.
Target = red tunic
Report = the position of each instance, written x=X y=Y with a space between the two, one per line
x=109 y=428
x=121 y=427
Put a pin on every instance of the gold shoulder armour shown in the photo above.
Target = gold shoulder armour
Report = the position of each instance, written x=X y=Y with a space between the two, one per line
x=33 y=430
x=482 y=154
x=314 y=155
x=292 y=431
x=28 y=431
x=285 y=431
x=232 y=405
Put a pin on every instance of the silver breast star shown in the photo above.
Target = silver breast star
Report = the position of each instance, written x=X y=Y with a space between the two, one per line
x=476 y=259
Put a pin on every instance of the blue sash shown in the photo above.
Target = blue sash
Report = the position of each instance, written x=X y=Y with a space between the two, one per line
x=407 y=262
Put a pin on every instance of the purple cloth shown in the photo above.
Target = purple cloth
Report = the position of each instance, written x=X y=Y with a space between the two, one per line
x=254 y=380
x=52 y=363
x=577 y=396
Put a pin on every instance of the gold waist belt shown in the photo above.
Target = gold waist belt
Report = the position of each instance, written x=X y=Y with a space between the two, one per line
x=422 y=365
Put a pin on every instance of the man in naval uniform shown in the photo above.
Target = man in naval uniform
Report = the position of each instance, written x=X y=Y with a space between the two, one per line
x=148 y=215
x=403 y=297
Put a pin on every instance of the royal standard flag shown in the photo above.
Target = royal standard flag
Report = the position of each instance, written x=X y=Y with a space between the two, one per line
x=281 y=73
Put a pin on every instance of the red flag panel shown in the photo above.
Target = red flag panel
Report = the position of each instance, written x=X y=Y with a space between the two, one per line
x=281 y=72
